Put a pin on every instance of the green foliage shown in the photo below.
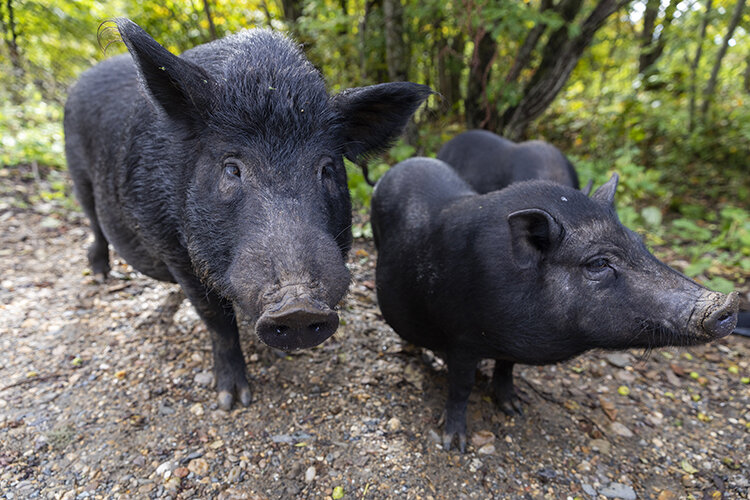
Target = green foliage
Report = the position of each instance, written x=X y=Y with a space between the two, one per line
x=31 y=132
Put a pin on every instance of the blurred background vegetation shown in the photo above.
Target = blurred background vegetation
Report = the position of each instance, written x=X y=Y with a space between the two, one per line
x=657 y=90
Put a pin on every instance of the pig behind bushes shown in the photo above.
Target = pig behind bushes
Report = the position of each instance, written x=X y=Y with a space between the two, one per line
x=488 y=162
x=222 y=170
x=535 y=273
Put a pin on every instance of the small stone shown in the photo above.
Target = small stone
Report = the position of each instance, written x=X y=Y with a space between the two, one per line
x=618 y=359
x=181 y=472
x=164 y=470
x=393 y=424
x=173 y=483
x=667 y=495
x=588 y=489
x=601 y=445
x=621 y=430
x=310 y=474
x=50 y=223
x=204 y=379
x=198 y=466
x=234 y=475
x=481 y=438
x=617 y=490
x=488 y=449
x=197 y=409
x=475 y=465
x=434 y=436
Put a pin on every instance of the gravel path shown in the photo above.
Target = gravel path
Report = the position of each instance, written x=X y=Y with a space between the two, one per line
x=102 y=397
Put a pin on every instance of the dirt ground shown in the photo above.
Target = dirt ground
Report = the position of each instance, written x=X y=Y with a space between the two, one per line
x=102 y=397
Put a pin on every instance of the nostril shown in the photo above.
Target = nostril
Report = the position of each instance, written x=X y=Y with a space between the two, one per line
x=281 y=329
x=296 y=325
x=317 y=327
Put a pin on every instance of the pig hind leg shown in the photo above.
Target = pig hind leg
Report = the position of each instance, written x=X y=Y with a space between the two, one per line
x=504 y=391
x=461 y=371
x=229 y=363
x=98 y=252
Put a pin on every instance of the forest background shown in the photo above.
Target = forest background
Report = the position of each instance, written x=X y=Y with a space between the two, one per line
x=656 y=90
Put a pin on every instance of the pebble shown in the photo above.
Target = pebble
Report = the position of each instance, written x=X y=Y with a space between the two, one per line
x=667 y=495
x=197 y=409
x=588 y=489
x=164 y=470
x=234 y=475
x=198 y=466
x=310 y=474
x=393 y=424
x=601 y=445
x=204 y=378
x=488 y=449
x=621 y=430
x=481 y=438
x=475 y=465
x=617 y=490
x=618 y=359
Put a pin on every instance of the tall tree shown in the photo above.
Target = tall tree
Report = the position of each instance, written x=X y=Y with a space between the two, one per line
x=559 y=56
x=708 y=93
x=653 y=40
x=395 y=49
x=694 y=65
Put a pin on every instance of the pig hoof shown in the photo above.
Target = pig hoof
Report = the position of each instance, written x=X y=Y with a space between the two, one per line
x=225 y=400
x=511 y=406
x=448 y=440
x=226 y=397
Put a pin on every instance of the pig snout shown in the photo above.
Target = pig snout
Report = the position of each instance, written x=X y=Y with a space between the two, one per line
x=296 y=323
x=720 y=315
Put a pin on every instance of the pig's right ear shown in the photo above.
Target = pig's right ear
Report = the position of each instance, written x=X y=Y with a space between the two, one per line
x=606 y=191
x=533 y=232
x=179 y=87
x=373 y=117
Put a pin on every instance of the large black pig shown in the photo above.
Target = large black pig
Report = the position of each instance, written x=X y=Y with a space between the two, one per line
x=222 y=170
x=488 y=162
x=535 y=273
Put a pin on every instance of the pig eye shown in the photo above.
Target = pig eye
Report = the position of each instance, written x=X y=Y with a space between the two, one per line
x=327 y=173
x=232 y=169
x=597 y=267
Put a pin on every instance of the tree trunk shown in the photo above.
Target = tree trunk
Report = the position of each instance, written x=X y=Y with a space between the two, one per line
x=708 y=93
x=529 y=44
x=747 y=75
x=449 y=56
x=653 y=43
x=694 y=66
x=559 y=58
x=395 y=51
x=211 y=26
x=479 y=112
x=11 y=40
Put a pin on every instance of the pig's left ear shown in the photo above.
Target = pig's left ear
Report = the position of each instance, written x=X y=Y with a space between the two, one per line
x=372 y=117
x=533 y=232
x=606 y=191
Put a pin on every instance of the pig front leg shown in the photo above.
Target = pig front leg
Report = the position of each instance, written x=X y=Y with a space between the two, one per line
x=502 y=387
x=229 y=363
x=461 y=370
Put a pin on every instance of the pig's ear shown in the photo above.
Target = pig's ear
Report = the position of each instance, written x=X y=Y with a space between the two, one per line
x=533 y=232
x=372 y=117
x=180 y=87
x=606 y=191
x=587 y=188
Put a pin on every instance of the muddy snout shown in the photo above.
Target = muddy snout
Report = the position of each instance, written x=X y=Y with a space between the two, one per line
x=296 y=323
x=720 y=316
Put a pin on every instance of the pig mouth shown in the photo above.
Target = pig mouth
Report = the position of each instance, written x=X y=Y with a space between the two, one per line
x=296 y=321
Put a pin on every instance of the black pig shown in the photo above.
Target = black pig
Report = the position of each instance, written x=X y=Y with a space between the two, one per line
x=488 y=162
x=222 y=170
x=535 y=273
